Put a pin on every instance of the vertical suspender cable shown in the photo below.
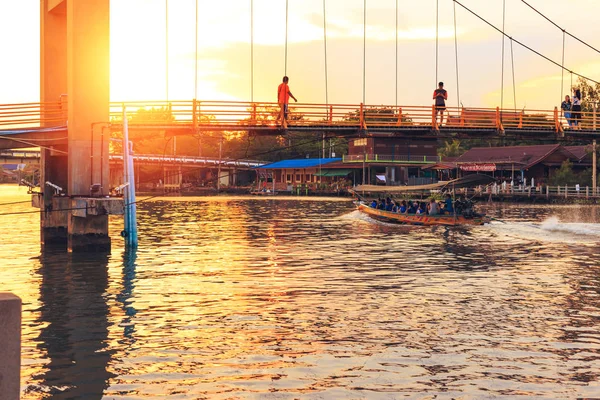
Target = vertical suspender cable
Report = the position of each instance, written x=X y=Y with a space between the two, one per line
x=562 y=70
x=196 y=64
x=456 y=57
x=503 y=41
x=286 y=35
x=396 y=53
x=364 y=49
x=512 y=57
x=167 y=48
x=252 y=51
x=437 y=38
x=325 y=49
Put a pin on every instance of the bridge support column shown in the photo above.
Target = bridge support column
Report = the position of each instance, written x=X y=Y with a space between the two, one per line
x=74 y=56
x=53 y=223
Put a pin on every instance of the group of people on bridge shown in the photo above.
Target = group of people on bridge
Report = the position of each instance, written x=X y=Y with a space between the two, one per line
x=572 y=109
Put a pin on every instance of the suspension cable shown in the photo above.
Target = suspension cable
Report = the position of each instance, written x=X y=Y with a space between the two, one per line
x=252 y=51
x=562 y=71
x=286 y=35
x=503 y=43
x=364 y=50
x=512 y=58
x=167 y=48
x=396 y=53
x=196 y=63
x=325 y=50
x=456 y=58
x=522 y=44
x=437 y=39
x=564 y=31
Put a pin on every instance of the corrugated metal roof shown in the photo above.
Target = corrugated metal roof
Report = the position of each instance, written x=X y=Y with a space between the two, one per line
x=300 y=163
x=524 y=155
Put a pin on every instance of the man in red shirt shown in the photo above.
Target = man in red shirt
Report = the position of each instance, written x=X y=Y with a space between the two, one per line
x=283 y=98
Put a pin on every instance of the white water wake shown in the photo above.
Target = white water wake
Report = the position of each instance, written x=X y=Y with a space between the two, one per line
x=550 y=230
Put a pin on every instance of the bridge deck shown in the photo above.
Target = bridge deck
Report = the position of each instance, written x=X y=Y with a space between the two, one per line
x=48 y=120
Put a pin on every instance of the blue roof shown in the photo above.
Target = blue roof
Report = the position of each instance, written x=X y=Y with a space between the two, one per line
x=300 y=163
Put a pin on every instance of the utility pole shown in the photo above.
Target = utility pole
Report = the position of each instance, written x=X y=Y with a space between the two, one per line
x=594 y=167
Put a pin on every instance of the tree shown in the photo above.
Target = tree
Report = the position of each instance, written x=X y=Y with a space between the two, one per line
x=564 y=175
x=451 y=148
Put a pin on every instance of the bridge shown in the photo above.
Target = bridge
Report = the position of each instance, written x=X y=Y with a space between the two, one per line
x=74 y=120
x=24 y=125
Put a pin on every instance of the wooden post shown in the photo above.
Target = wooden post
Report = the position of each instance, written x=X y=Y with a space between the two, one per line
x=194 y=116
x=594 y=166
x=362 y=116
x=547 y=192
x=566 y=191
x=399 y=122
x=254 y=113
x=330 y=115
x=587 y=192
x=462 y=117
x=557 y=125
x=521 y=120
x=10 y=348
x=433 y=119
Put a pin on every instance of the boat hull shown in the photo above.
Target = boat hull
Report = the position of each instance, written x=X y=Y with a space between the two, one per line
x=422 y=219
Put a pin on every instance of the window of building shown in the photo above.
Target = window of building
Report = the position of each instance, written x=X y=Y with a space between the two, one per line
x=298 y=178
x=360 y=142
x=307 y=178
x=288 y=178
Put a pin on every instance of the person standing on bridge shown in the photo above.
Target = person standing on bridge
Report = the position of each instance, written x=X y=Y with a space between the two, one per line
x=576 y=109
x=440 y=95
x=283 y=98
x=565 y=106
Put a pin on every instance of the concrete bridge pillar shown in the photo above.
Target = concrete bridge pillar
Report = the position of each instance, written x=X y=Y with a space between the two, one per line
x=75 y=65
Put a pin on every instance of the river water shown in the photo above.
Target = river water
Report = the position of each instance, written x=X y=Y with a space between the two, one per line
x=285 y=298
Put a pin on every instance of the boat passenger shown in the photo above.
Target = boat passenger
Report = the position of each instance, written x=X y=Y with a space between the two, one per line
x=402 y=209
x=381 y=204
x=434 y=208
x=374 y=204
x=388 y=204
x=412 y=207
x=448 y=206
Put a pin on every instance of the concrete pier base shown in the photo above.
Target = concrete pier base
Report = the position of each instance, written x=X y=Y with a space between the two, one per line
x=10 y=346
x=88 y=223
x=54 y=224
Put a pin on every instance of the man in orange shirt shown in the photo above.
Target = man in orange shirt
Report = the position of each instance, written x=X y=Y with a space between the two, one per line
x=283 y=98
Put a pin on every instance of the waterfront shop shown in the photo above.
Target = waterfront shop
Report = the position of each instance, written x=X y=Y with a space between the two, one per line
x=519 y=164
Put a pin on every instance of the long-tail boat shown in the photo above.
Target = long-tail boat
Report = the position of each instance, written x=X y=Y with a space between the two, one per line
x=463 y=211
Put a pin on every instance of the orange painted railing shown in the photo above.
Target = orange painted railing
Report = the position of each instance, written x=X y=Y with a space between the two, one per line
x=238 y=115
x=229 y=115
x=33 y=115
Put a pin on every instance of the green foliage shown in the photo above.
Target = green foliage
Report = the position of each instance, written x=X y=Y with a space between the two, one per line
x=451 y=148
x=388 y=115
x=566 y=176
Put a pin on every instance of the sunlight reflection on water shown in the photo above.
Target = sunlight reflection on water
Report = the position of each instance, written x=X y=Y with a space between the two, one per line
x=279 y=298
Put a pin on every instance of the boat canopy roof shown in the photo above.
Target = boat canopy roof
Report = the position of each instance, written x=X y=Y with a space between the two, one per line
x=466 y=181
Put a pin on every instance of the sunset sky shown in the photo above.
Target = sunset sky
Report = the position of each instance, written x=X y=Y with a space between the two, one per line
x=138 y=51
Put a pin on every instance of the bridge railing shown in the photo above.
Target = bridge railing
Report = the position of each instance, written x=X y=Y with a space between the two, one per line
x=229 y=115
x=33 y=115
